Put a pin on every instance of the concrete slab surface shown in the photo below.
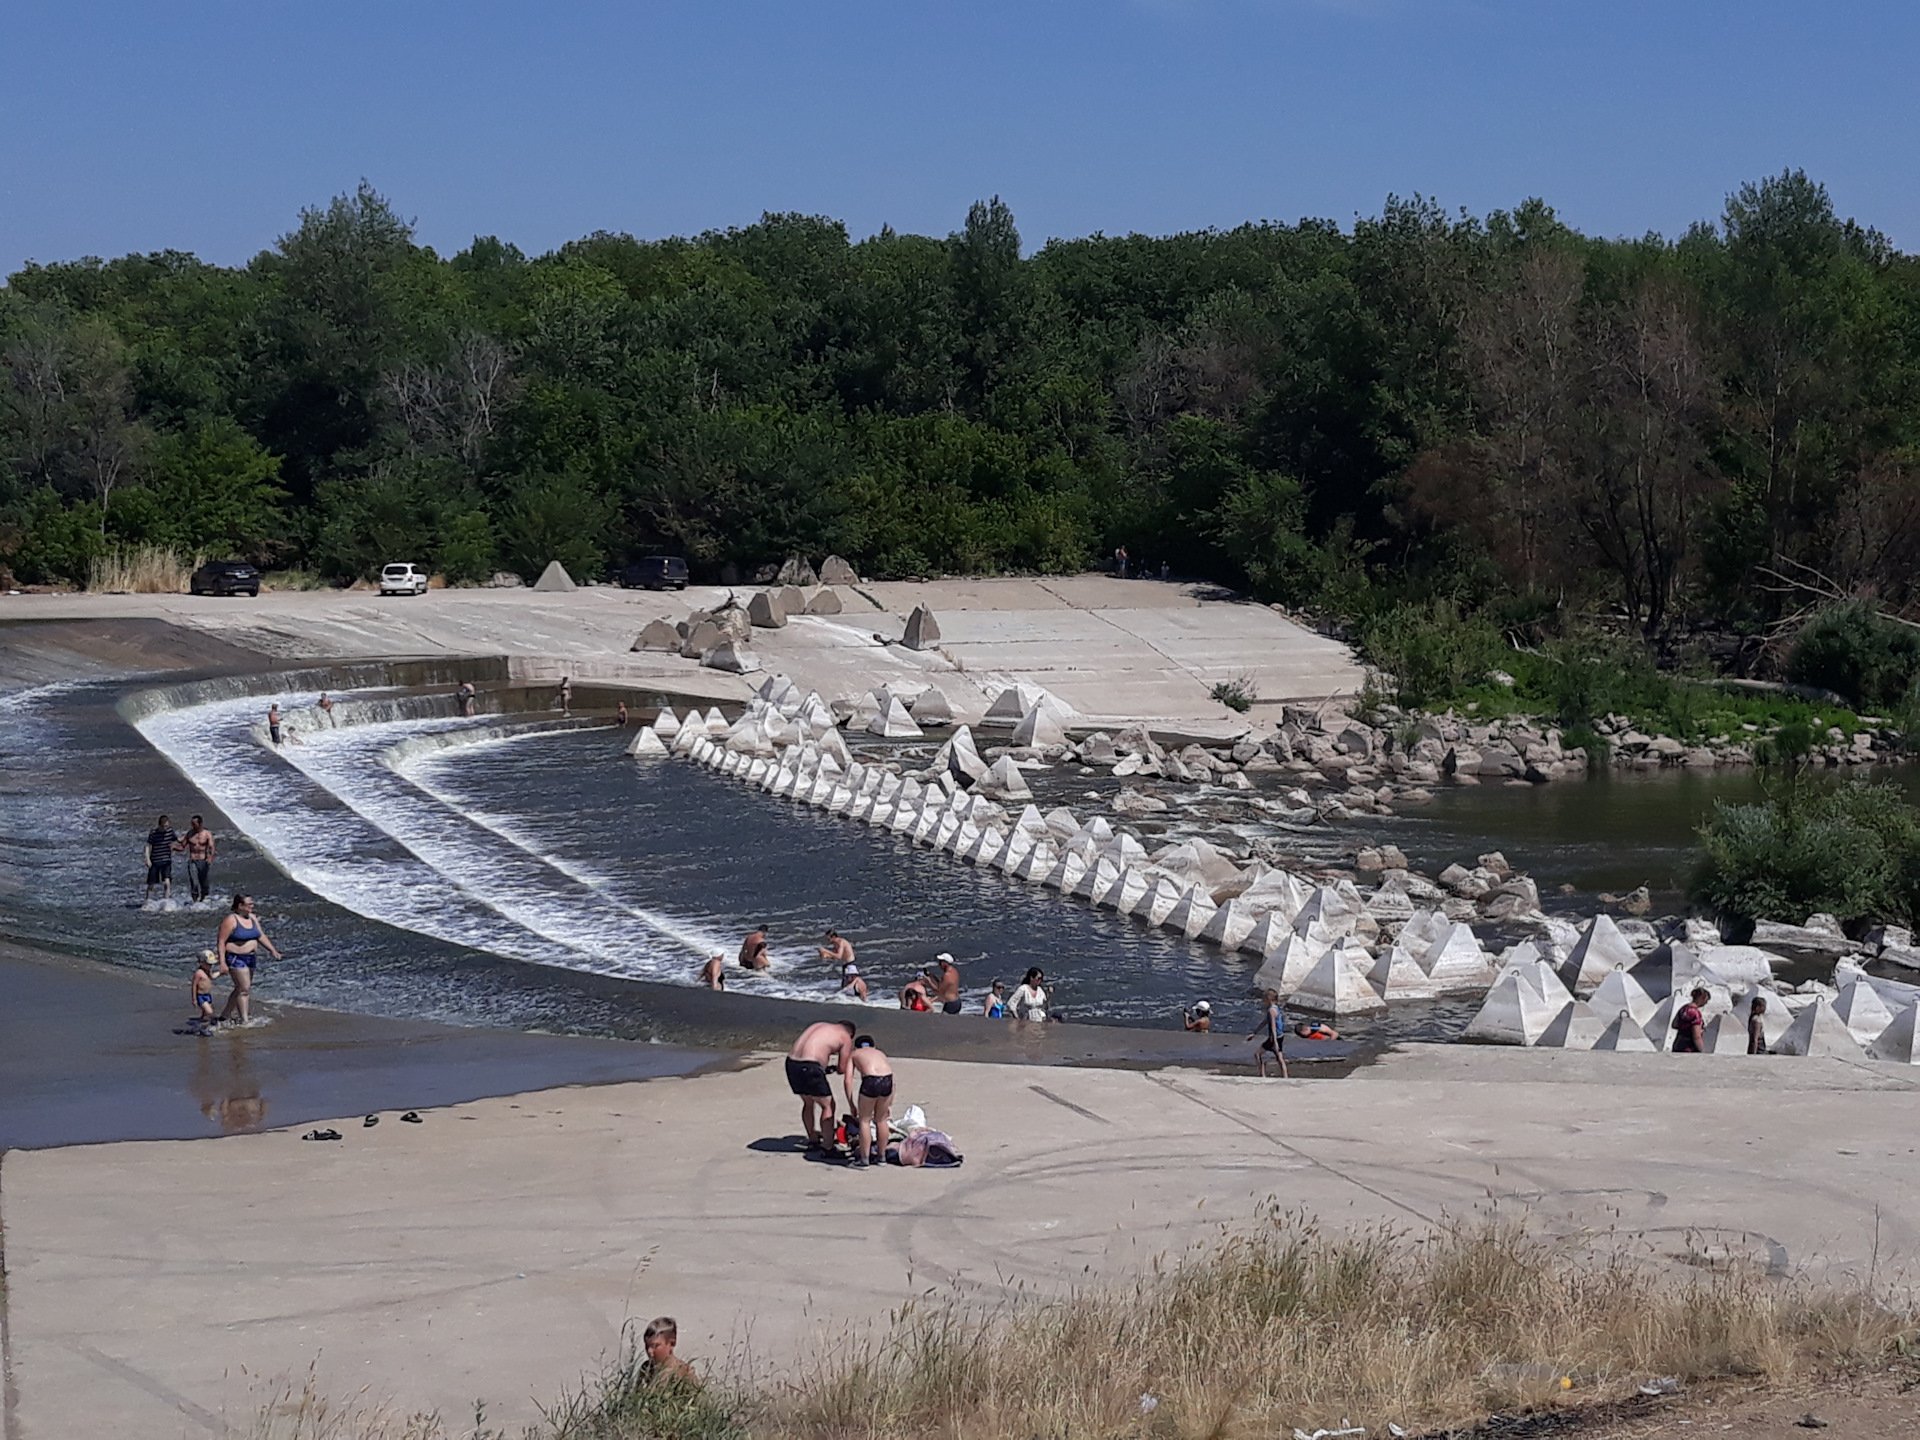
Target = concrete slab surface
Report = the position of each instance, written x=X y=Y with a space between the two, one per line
x=1116 y=650
x=497 y=1250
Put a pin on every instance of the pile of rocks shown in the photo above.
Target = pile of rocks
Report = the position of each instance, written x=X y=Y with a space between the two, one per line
x=720 y=638
x=1631 y=749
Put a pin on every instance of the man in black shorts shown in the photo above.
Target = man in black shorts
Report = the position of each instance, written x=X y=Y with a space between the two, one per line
x=821 y=1048
x=162 y=841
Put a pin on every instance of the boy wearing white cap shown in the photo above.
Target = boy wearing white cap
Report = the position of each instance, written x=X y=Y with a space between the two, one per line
x=1200 y=1017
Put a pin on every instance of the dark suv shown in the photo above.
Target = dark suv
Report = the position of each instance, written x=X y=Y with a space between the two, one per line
x=225 y=577
x=655 y=572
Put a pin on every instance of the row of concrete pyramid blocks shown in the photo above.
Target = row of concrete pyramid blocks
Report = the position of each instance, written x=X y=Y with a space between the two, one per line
x=1431 y=957
x=1087 y=859
x=1529 y=1005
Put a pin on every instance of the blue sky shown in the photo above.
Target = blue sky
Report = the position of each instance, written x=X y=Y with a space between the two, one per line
x=207 y=126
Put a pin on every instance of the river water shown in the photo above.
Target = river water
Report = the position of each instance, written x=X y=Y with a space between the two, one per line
x=491 y=873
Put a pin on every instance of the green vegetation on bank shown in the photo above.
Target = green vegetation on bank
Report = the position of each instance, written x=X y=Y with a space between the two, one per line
x=1279 y=1326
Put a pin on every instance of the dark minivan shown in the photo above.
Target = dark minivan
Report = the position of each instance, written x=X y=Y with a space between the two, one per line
x=655 y=572
x=225 y=577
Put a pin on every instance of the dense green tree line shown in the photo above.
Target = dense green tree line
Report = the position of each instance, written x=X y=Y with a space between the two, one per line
x=1507 y=415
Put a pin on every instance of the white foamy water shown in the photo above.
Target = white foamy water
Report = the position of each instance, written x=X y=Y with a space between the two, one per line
x=351 y=814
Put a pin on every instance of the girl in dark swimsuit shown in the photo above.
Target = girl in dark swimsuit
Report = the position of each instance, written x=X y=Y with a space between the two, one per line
x=241 y=936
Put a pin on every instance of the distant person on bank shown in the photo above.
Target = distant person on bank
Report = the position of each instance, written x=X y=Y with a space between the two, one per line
x=162 y=841
x=1690 y=1024
x=1756 y=1027
x=824 y=1048
x=239 y=943
x=1273 y=1034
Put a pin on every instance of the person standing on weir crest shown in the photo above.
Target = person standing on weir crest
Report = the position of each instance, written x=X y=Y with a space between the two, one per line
x=565 y=698
x=827 y=1044
x=464 y=697
x=273 y=724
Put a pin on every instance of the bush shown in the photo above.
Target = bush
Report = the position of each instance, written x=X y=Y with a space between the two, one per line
x=1858 y=654
x=141 y=570
x=1849 y=851
x=1431 y=651
x=47 y=541
x=1237 y=694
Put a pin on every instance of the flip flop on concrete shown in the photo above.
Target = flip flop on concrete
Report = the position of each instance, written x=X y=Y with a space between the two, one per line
x=321 y=1135
x=412 y=1117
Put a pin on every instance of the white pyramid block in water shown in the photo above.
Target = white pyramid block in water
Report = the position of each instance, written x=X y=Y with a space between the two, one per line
x=1124 y=892
x=946 y=832
x=1004 y=781
x=1125 y=849
x=1192 y=914
x=1067 y=869
x=1095 y=879
x=1039 y=727
x=959 y=756
x=1899 y=1042
x=1420 y=933
x=1062 y=823
x=1335 y=986
x=1455 y=961
x=1269 y=931
x=1537 y=973
x=1576 y=1027
x=965 y=834
x=1865 y=1014
x=683 y=743
x=1097 y=829
x=1514 y=1013
x=648 y=745
x=1396 y=975
x=1288 y=963
x=1600 y=950
x=716 y=723
x=666 y=724
x=1620 y=991
x=1279 y=891
x=1623 y=1032
x=1031 y=821
x=1229 y=924
x=841 y=800
x=1011 y=704
x=1019 y=842
x=1034 y=865
x=1154 y=904
x=893 y=723
x=1818 y=1030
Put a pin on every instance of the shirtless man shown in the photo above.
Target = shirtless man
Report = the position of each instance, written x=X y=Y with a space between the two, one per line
x=713 y=974
x=753 y=950
x=273 y=724
x=201 y=850
x=945 y=980
x=838 y=950
x=821 y=1047
x=874 y=1102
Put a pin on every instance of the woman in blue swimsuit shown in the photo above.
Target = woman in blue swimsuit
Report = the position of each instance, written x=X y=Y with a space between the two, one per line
x=238 y=945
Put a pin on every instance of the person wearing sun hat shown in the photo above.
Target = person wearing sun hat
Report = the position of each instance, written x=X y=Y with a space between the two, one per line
x=944 y=977
x=1200 y=1017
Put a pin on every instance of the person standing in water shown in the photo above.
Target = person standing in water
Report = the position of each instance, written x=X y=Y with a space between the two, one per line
x=239 y=941
x=203 y=988
x=838 y=950
x=1029 y=1001
x=325 y=706
x=945 y=980
x=201 y=851
x=713 y=974
x=162 y=841
x=620 y=715
x=464 y=698
x=753 y=950
x=273 y=724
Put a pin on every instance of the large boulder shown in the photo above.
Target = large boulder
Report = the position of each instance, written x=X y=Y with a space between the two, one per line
x=835 y=571
x=766 y=610
x=923 y=631
x=823 y=602
x=658 y=635
x=554 y=579
x=732 y=657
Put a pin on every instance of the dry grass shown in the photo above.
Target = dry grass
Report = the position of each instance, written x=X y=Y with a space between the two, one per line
x=141 y=570
x=1280 y=1326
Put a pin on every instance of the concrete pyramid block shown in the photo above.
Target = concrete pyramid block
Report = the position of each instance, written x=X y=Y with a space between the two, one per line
x=835 y=571
x=1158 y=901
x=1066 y=870
x=1419 y=933
x=1010 y=705
x=824 y=601
x=1818 y=1030
x=930 y=707
x=1123 y=892
x=1514 y=1013
x=1740 y=965
x=893 y=722
x=1576 y=1027
x=1062 y=824
x=715 y=722
x=1899 y=1043
x=1455 y=961
x=793 y=600
x=1287 y=964
x=1726 y=1035
x=923 y=631
x=666 y=724
x=1623 y=1032
x=1280 y=892
x=690 y=733
x=1192 y=914
x=1396 y=975
x=776 y=690
x=1269 y=931
x=1659 y=1025
x=1600 y=950
x=945 y=832
x=1229 y=924
x=1031 y=821
x=1335 y=986
x=1097 y=829
x=1123 y=847
x=661 y=635
x=1018 y=843
x=1620 y=991
x=1327 y=915
x=1003 y=781
x=1039 y=728
x=1095 y=879
x=1390 y=899
x=958 y=755
x=1035 y=864
x=554 y=579
x=647 y=745
x=1865 y=1014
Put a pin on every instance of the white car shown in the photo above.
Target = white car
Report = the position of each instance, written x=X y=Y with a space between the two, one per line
x=403 y=580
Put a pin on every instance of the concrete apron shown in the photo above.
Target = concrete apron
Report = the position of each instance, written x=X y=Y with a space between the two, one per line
x=497 y=1251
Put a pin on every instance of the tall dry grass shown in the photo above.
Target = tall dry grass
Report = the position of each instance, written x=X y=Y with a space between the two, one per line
x=141 y=570
x=1281 y=1326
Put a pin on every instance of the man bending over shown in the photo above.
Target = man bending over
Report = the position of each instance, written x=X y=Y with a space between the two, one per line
x=822 y=1048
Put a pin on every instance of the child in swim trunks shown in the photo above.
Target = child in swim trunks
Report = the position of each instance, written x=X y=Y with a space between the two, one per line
x=203 y=987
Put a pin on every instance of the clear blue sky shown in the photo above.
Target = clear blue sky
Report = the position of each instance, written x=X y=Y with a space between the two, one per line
x=207 y=126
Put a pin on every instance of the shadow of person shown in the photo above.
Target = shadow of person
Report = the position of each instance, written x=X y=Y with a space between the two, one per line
x=224 y=1087
x=779 y=1144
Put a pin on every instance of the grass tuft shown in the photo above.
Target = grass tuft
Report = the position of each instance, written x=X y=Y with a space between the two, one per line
x=141 y=570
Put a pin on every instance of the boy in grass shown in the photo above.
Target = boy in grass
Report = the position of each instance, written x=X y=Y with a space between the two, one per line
x=663 y=1367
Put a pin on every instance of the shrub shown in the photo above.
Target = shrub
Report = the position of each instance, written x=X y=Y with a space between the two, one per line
x=1431 y=651
x=1855 y=652
x=1850 y=851
x=141 y=570
x=1236 y=694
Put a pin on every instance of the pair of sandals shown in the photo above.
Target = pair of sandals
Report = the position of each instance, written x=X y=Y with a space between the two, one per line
x=412 y=1117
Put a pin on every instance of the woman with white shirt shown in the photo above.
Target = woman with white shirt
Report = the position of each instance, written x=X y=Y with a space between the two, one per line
x=1029 y=1001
